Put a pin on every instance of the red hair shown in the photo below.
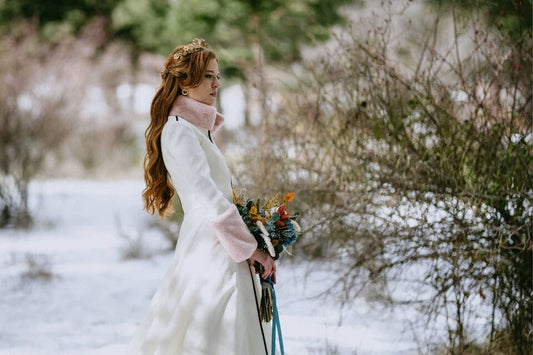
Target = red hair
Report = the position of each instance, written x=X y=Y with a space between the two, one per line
x=184 y=72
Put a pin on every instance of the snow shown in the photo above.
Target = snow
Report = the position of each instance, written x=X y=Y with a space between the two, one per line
x=94 y=298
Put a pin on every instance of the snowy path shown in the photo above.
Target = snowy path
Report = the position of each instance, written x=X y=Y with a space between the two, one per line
x=95 y=298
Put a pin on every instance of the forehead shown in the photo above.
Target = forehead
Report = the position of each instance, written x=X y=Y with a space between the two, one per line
x=212 y=66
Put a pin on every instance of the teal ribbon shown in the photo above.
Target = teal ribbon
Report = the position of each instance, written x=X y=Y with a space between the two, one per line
x=276 y=326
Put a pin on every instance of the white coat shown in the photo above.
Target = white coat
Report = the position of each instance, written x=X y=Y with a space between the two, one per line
x=206 y=303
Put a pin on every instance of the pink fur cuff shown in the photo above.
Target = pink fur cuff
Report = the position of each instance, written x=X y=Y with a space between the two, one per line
x=234 y=235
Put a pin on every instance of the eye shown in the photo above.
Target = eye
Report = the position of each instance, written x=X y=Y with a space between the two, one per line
x=210 y=76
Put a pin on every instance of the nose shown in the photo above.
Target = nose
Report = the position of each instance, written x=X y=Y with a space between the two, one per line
x=216 y=83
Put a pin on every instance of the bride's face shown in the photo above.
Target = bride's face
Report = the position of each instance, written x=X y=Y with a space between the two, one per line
x=207 y=91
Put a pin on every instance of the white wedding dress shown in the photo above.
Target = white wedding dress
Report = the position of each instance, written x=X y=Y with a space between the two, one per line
x=206 y=303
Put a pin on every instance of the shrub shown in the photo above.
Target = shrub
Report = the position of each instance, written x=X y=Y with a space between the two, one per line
x=410 y=149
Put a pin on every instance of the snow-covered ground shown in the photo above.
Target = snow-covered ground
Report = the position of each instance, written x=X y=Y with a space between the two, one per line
x=89 y=299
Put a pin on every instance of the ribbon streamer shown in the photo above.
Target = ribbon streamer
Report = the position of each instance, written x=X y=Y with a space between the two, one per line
x=276 y=325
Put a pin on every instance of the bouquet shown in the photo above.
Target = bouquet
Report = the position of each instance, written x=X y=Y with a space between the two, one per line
x=275 y=231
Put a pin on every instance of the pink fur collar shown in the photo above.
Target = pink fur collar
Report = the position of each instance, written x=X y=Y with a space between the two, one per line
x=198 y=113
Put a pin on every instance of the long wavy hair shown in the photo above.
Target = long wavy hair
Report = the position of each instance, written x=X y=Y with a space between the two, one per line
x=180 y=72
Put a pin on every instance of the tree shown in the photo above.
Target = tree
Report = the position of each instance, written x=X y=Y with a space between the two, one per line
x=514 y=17
x=56 y=16
x=412 y=155
x=249 y=33
x=278 y=27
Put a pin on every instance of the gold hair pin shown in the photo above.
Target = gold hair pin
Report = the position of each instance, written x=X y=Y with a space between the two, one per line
x=197 y=45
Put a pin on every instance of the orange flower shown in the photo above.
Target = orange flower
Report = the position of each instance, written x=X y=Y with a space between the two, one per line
x=283 y=216
x=281 y=210
x=288 y=197
x=256 y=216
x=280 y=224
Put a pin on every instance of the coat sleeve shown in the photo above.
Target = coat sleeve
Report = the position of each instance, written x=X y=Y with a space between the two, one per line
x=187 y=165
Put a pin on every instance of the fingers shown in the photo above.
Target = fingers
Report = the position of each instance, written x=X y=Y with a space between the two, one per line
x=266 y=268
x=269 y=266
x=266 y=273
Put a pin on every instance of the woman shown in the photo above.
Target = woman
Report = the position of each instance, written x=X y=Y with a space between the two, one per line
x=206 y=303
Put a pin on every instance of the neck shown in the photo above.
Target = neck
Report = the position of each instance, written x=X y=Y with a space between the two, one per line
x=198 y=113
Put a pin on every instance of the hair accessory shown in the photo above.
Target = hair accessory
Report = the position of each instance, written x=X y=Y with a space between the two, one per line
x=196 y=45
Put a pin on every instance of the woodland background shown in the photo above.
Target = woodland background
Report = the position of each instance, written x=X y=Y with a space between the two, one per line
x=404 y=127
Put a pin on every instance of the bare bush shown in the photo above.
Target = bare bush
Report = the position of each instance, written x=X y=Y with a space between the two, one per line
x=134 y=247
x=60 y=112
x=34 y=117
x=139 y=241
x=38 y=267
x=410 y=150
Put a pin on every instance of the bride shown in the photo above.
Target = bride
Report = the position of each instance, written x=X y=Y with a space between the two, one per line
x=207 y=302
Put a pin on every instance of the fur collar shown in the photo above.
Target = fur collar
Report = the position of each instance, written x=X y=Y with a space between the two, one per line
x=198 y=113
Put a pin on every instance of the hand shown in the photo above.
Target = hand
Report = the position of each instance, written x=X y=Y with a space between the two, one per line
x=269 y=266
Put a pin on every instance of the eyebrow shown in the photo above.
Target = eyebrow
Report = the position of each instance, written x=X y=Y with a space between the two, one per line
x=211 y=71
